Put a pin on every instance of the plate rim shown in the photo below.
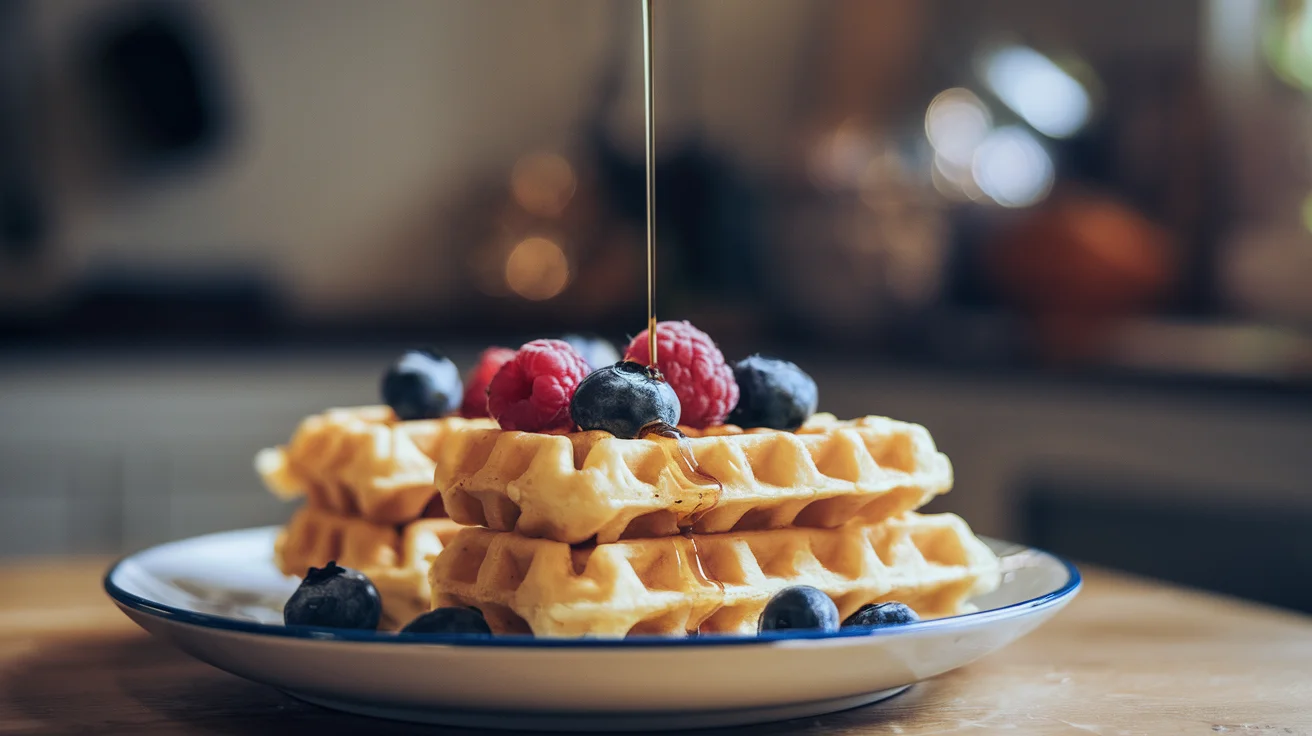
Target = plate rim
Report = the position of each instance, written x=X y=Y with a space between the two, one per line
x=1058 y=597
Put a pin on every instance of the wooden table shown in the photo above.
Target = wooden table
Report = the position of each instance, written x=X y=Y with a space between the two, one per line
x=1127 y=657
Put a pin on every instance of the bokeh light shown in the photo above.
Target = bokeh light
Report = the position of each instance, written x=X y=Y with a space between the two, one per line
x=1012 y=168
x=537 y=269
x=954 y=182
x=839 y=158
x=1038 y=90
x=956 y=122
x=543 y=183
x=884 y=180
x=1287 y=42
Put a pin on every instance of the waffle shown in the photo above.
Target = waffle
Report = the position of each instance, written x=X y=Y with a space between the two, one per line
x=711 y=584
x=361 y=462
x=590 y=485
x=396 y=560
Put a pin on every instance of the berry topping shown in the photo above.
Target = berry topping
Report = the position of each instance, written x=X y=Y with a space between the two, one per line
x=598 y=352
x=775 y=394
x=449 y=621
x=474 y=404
x=335 y=597
x=622 y=399
x=695 y=369
x=800 y=607
x=422 y=385
x=532 y=391
x=882 y=614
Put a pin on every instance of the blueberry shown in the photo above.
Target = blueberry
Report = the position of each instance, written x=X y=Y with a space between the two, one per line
x=422 y=385
x=800 y=607
x=882 y=614
x=598 y=352
x=622 y=399
x=336 y=597
x=773 y=393
x=449 y=621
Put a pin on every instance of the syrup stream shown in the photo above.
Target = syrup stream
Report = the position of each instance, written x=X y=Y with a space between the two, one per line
x=690 y=468
x=692 y=471
x=651 y=182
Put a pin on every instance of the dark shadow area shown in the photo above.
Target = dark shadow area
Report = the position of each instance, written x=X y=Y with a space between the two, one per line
x=133 y=684
x=1253 y=551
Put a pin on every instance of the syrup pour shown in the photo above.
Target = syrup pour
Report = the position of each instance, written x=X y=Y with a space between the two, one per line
x=650 y=116
x=690 y=468
x=692 y=471
x=699 y=572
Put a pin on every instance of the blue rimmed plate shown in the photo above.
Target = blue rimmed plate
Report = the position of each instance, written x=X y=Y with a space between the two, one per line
x=219 y=598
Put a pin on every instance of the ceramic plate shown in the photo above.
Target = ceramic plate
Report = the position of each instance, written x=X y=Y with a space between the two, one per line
x=219 y=598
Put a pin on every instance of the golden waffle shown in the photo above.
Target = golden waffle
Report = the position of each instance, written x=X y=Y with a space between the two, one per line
x=396 y=560
x=362 y=462
x=577 y=487
x=714 y=583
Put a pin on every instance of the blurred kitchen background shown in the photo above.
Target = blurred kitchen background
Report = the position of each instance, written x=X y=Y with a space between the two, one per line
x=1074 y=239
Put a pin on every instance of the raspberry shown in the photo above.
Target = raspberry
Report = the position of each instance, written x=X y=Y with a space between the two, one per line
x=532 y=391
x=695 y=369
x=474 y=404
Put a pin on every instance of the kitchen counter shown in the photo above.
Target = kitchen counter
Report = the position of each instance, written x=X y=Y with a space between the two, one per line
x=1129 y=656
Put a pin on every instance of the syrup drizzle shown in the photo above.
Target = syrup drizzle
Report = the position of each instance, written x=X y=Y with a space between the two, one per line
x=691 y=470
x=698 y=571
x=650 y=118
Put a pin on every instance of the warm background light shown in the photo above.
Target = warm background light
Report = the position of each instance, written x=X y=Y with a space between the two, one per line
x=543 y=183
x=537 y=269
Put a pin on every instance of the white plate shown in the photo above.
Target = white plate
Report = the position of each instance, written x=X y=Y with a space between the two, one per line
x=219 y=598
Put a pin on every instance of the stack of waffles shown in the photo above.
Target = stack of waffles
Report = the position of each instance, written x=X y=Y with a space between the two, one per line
x=689 y=532
x=367 y=480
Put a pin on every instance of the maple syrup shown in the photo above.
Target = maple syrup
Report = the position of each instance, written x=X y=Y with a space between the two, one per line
x=698 y=571
x=693 y=472
x=650 y=119
x=691 y=469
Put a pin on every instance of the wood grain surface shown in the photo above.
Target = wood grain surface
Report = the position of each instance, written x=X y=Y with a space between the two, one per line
x=1127 y=657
